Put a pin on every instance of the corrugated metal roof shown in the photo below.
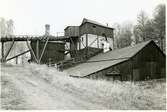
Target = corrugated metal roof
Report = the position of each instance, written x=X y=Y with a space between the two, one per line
x=94 y=22
x=105 y=60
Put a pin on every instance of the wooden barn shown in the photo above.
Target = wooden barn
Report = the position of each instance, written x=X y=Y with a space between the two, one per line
x=54 y=51
x=140 y=62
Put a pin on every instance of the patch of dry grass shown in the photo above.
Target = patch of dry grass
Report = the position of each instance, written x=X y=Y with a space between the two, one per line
x=112 y=95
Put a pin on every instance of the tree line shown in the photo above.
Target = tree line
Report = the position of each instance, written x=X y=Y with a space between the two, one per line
x=7 y=29
x=146 y=29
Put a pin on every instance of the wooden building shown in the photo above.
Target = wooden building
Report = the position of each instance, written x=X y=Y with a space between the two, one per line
x=140 y=62
x=89 y=34
x=93 y=27
x=54 y=51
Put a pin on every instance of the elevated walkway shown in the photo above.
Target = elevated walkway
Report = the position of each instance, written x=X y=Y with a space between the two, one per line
x=32 y=38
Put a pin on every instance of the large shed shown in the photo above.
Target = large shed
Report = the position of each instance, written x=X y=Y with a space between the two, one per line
x=140 y=62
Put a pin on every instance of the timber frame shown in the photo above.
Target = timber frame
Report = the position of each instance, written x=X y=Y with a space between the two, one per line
x=27 y=39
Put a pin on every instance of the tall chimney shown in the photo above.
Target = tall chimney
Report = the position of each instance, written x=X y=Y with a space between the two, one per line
x=47 y=29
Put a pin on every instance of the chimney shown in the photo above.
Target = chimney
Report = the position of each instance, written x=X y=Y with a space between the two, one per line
x=47 y=29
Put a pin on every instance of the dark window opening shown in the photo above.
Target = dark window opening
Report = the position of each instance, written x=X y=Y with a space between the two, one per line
x=94 y=26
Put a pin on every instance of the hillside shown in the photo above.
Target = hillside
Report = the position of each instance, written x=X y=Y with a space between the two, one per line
x=39 y=87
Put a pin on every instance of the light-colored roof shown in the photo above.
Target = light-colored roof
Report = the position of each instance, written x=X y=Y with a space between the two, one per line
x=94 y=22
x=105 y=60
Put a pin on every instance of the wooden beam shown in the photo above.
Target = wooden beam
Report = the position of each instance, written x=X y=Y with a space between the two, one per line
x=43 y=49
x=79 y=43
x=73 y=45
x=16 y=60
x=32 y=38
x=83 y=43
x=2 y=52
x=7 y=53
x=29 y=46
x=92 y=42
x=17 y=55
x=37 y=49
x=86 y=40
x=98 y=41
x=87 y=45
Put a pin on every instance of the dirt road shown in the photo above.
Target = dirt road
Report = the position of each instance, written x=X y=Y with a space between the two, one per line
x=38 y=87
x=37 y=93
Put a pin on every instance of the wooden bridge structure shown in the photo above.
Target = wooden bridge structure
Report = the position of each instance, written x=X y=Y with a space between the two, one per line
x=27 y=39
x=79 y=44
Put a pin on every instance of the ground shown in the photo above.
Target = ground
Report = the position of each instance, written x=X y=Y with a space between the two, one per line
x=39 y=87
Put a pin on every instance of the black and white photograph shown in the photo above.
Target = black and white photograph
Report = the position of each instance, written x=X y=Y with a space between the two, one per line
x=82 y=55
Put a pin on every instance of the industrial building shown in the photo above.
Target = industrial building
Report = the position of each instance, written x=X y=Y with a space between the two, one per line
x=140 y=62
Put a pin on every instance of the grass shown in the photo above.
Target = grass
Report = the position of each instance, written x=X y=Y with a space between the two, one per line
x=144 y=95
x=113 y=95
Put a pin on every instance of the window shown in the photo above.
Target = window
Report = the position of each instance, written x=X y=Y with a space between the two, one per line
x=94 y=26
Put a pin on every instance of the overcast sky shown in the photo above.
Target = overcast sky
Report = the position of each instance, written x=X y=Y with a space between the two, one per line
x=30 y=16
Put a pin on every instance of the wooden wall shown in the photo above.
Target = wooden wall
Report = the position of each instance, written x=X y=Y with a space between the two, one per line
x=149 y=63
x=72 y=31
x=54 y=51
x=89 y=28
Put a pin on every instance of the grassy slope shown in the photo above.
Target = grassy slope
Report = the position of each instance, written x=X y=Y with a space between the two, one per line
x=50 y=89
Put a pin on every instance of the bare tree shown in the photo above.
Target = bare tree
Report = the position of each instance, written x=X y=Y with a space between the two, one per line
x=6 y=28
x=159 y=24
x=117 y=32
x=123 y=34
x=140 y=29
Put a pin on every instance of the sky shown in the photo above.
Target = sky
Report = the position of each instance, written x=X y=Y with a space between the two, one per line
x=30 y=16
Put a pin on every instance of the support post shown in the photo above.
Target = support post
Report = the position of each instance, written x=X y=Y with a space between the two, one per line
x=37 y=50
x=86 y=45
x=2 y=53
x=16 y=60
x=29 y=46
x=43 y=50
x=97 y=41
x=79 y=40
x=73 y=47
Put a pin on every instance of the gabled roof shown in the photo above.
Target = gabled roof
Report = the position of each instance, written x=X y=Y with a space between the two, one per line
x=70 y=26
x=105 y=60
x=94 y=22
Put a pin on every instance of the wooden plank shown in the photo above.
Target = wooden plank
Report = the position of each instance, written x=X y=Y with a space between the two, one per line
x=2 y=51
x=79 y=43
x=73 y=46
x=6 y=55
x=32 y=38
x=43 y=49
x=93 y=42
x=16 y=60
x=98 y=41
x=87 y=50
x=18 y=55
x=29 y=46
x=86 y=40
x=37 y=49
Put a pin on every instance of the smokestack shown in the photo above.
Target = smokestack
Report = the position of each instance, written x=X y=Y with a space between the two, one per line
x=47 y=29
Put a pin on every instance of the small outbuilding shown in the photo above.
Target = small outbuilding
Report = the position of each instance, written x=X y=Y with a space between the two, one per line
x=142 y=61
